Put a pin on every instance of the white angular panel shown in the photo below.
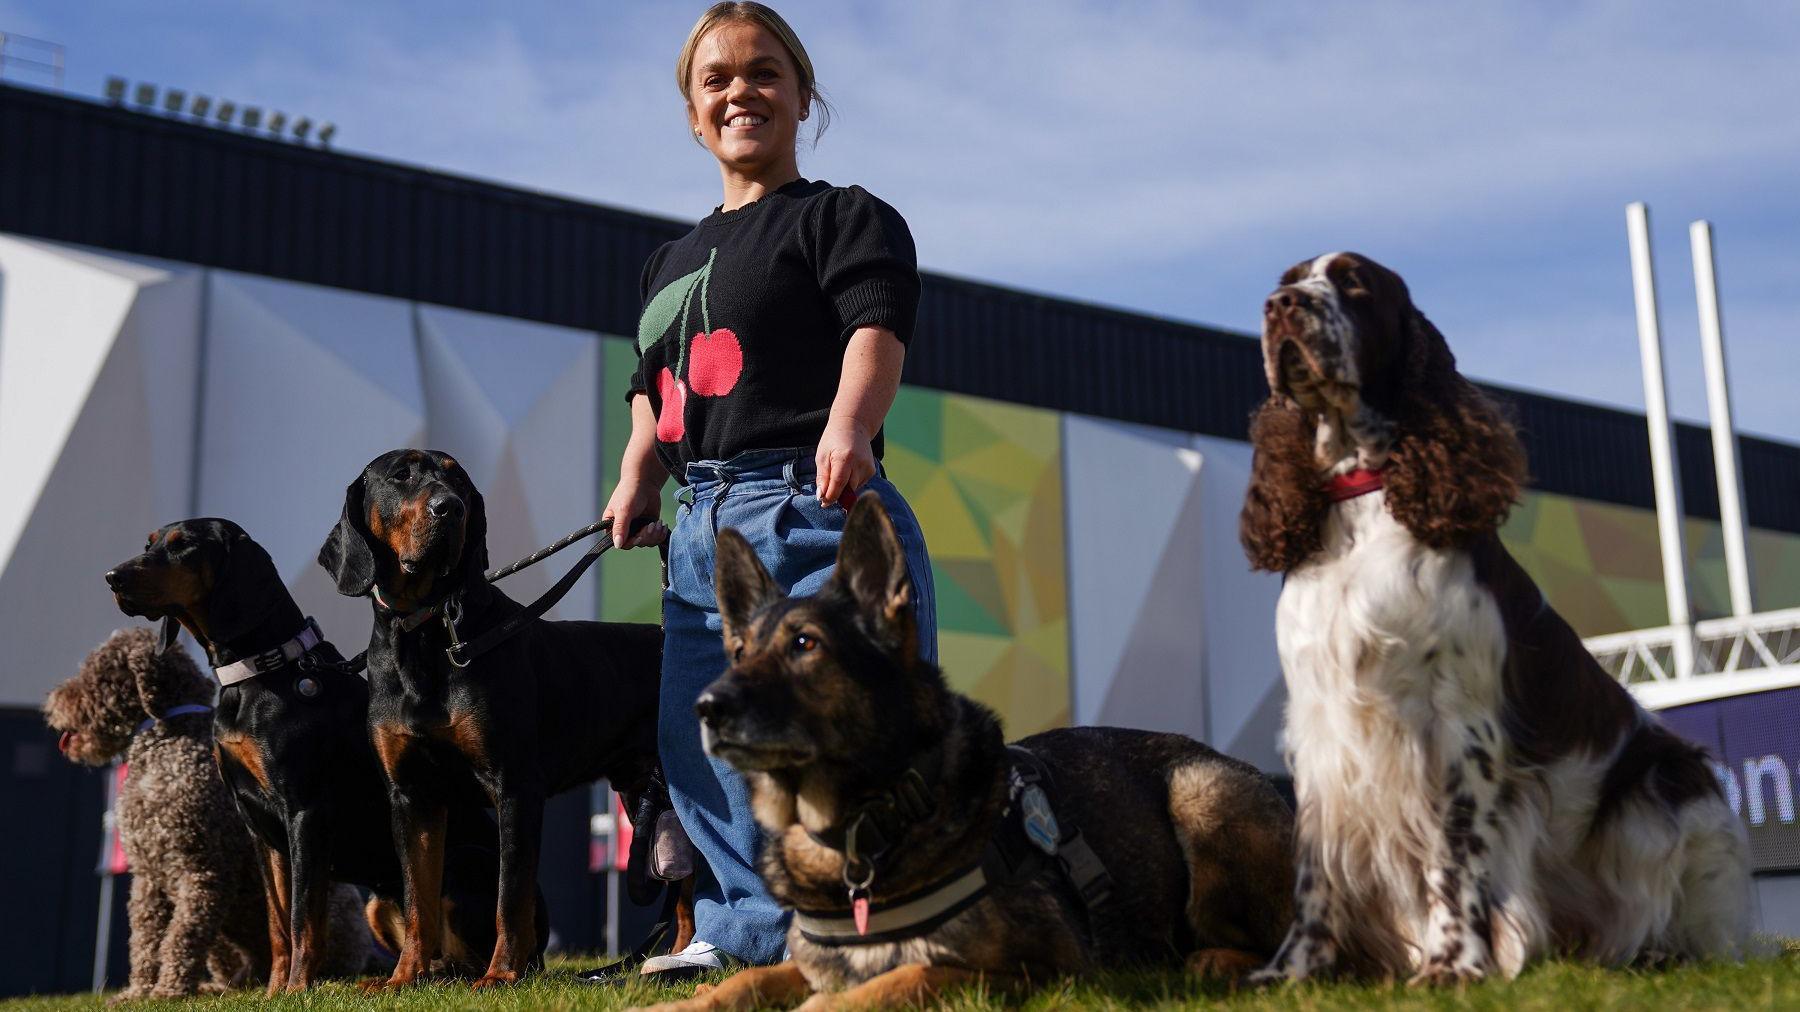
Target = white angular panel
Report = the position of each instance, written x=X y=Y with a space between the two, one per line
x=1170 y=629
x=1112 y=560
x=1244 y=688
x=98 y=359
x=517 y=404
x=303 y=386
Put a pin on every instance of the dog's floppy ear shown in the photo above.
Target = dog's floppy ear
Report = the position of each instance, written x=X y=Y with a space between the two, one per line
x=871 y=565
x=244 y=584
x=170 y=632
x=744 y=587
x=346 y=554
x=472 y=567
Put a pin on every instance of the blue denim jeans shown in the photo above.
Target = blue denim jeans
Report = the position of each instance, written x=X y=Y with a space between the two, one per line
x=770 y=498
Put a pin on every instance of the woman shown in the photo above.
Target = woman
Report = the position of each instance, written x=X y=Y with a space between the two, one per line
x=770 y=350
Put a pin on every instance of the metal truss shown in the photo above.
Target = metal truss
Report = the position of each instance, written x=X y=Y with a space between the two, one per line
x=1731 y=656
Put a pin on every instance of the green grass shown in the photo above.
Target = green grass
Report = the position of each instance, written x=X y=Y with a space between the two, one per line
x=1551 y=987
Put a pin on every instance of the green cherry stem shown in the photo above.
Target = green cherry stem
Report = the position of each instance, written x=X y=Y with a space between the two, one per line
x=687 y=299
x=705 y=283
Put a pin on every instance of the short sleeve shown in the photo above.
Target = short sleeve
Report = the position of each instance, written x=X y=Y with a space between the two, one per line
x=866 y=263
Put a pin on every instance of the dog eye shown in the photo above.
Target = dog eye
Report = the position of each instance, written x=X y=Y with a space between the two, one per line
x=804 y=644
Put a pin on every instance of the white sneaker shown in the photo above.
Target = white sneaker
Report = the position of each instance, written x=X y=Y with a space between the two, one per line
x=698 y=958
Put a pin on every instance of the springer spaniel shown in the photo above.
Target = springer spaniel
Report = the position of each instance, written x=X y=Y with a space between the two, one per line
x=1474 y=790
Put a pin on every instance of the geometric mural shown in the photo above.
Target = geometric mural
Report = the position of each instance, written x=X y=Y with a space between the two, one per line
x=985 y=479
x=1599 y=564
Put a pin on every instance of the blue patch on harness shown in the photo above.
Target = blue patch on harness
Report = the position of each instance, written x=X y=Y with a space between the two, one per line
x=1039 y=819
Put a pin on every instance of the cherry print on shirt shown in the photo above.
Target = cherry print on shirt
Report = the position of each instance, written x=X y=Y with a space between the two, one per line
x=669 y=425
x=711 y=360
x=716 y=361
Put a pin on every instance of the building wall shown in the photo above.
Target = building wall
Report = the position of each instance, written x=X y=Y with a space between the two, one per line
x=1087 y=570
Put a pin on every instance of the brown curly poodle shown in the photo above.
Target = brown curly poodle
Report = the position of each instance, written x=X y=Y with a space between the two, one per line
x=198 y=919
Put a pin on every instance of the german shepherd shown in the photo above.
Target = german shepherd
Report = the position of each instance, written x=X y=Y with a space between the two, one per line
x=920 y=852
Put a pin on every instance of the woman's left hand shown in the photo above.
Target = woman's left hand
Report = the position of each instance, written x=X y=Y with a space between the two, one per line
x=845 y=460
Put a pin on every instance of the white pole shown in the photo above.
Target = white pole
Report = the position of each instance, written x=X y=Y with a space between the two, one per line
x=1663 y=465
x=1718 y=405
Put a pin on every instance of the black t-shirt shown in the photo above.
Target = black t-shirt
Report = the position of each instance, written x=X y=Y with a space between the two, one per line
x=741 y=341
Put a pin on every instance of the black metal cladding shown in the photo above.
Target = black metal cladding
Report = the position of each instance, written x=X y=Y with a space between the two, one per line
x=82 y=172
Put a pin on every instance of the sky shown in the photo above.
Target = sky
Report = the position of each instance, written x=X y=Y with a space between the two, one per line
x=1168 y=158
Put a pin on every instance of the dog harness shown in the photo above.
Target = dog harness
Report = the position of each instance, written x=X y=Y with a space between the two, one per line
x=273 y=659
x=1355 y=483
x=1029 y=834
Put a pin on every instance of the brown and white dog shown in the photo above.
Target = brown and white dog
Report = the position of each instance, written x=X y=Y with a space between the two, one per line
x=1473 y=789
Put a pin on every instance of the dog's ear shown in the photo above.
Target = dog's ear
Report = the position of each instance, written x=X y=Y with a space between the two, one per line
x=871 y=566
x=166 y=637
x=744 y=587
x=245 y=582
x=472 y=567
x=346 y=554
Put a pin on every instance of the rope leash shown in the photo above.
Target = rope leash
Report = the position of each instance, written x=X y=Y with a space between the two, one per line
x=462 y=652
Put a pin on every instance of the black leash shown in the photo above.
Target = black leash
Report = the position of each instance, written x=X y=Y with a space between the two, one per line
x=461 y=653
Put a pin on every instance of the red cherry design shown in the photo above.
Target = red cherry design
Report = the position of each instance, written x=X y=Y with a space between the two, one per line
x=669 y=425
x=714 y=362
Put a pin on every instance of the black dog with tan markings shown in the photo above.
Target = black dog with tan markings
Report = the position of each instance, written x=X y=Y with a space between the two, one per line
x=553 y=706
x=920 y=851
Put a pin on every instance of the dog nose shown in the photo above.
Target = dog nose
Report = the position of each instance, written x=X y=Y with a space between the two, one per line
x=445 y=506
x=113 y=579
x=1284 y=298
x=718 y=703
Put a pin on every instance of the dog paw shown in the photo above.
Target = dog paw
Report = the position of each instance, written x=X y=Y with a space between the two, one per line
x=129 y=994
x=1270 y=976
x=492 y=979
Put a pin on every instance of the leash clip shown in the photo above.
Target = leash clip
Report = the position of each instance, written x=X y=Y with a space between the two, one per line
x=452 y=610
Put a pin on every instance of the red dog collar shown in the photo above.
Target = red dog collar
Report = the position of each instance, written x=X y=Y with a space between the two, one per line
x=1361 y=481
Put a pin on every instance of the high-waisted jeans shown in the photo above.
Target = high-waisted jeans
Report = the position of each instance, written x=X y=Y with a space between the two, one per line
x=770 y=497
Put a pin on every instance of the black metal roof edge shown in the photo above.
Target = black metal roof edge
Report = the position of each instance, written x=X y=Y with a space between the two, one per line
x=432 y=236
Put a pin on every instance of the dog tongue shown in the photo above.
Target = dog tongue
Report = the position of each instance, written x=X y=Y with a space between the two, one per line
x=62 y=744
x=859 y=909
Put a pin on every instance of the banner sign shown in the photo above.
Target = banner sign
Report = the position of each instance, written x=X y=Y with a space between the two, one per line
x=1755 y=744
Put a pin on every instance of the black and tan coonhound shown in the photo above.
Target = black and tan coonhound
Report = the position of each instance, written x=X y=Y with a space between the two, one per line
x=553 y=706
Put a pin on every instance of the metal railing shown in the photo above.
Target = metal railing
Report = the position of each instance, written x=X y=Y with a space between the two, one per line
x=1730 y=656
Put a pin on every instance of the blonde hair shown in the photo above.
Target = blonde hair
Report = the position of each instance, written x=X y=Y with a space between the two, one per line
x=764 y=17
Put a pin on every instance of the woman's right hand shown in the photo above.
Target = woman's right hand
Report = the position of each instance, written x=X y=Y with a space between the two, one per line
x=631 y=500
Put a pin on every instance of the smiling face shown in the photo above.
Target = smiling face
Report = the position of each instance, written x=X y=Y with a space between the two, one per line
x=746 y=99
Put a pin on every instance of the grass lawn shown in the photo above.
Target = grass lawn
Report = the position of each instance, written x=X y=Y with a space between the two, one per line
x=1551 y=987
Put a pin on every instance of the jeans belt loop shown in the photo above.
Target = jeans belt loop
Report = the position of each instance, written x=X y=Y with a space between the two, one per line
x=790 y=473
x=718 y=497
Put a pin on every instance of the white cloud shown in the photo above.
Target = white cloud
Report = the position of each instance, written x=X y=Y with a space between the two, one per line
x=1172 y=157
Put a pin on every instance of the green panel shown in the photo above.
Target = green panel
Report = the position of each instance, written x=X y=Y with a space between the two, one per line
x=630 y=582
